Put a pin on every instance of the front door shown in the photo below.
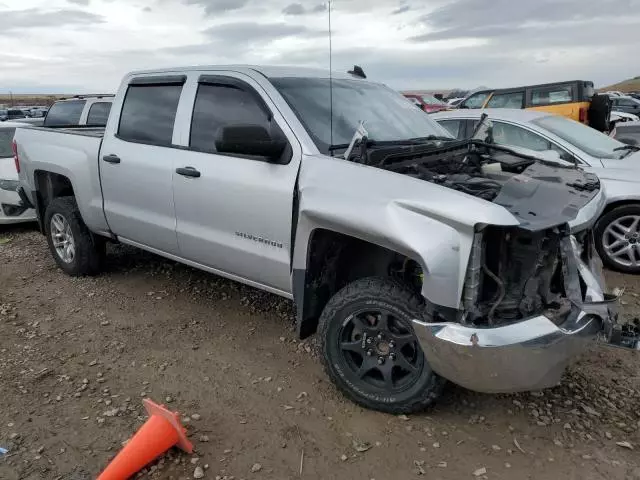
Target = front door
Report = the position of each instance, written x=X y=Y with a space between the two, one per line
x=136 y=165
x=234 y=213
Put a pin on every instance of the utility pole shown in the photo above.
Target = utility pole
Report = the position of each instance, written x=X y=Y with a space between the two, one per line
x=11 y=98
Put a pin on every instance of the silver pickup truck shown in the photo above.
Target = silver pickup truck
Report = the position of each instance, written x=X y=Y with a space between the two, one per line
x=414 y=256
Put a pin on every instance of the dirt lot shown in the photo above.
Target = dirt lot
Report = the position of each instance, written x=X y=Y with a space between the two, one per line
x=78 y=355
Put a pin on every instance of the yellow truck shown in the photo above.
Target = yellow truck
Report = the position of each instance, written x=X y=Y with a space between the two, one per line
x=575 y=99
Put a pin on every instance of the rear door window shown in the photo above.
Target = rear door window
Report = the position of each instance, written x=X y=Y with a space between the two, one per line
x=63 y=114
x=551 y=95
x=217 y=106
x=149 y=113
x=626 y=102
x=98 y=114
x=507 y=100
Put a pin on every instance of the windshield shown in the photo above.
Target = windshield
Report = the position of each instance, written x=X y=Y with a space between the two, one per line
x=386 y=114
x=581 y=136
x=431 y=100
x=6 y=137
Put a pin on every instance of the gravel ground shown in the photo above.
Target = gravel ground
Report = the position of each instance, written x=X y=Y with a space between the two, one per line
x=77 y=356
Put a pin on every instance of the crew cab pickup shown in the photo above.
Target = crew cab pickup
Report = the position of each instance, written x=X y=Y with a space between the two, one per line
x=414 y=256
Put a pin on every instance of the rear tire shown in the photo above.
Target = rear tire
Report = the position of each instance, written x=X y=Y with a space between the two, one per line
x=354 y=339
x=600 y=113
x=74 y=248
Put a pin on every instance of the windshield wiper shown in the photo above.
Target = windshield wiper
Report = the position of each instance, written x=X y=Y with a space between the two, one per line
x=340 y=146
x=634 y=148
x=433 y=137
x=628 y=148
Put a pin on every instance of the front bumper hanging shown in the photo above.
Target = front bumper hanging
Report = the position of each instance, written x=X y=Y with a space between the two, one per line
x=533 y=353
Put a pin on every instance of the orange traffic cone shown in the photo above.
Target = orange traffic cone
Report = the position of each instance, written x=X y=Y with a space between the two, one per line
x=161 y=432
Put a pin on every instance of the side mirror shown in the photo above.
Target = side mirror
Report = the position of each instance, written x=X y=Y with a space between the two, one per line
x=628 y=141
x=252 y=140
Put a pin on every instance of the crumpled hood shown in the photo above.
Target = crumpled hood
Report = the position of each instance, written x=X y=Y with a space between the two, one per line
x=544 y=195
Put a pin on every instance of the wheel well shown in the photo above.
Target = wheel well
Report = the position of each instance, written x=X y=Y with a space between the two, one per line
x=335 y=260
x=49 y=186
x=620 y=203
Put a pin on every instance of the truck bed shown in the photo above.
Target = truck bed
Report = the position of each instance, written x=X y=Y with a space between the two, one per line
x=95 y=132
x=71 y=153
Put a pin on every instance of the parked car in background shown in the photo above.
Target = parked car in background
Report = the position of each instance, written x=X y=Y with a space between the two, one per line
x=454 y=102
x=573 y=99
x=384 y=248
x=628 y=132
x=615 y=93
x=12 y=114
x=37 y=112
x=79 y=111
x=33 y=121
x=618 y=117
x=426 y=101
x=626 y=104
x=12 y=209
x=617 y=164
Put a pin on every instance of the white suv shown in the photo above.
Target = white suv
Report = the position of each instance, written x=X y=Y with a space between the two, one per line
x=79 y=111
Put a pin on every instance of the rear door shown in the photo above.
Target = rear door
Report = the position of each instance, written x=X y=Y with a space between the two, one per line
x=236 y=216
x=136 y=163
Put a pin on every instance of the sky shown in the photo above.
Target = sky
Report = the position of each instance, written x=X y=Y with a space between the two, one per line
x=79 y=46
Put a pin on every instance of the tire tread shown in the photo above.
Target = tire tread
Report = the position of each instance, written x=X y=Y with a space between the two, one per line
x=395 y=291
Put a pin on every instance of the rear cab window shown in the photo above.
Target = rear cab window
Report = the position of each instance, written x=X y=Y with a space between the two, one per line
x=98 y=114
x=149 y=111
x=64 y=114
x=552 y=95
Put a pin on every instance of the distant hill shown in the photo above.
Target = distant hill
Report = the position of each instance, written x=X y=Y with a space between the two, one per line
x=631 y=85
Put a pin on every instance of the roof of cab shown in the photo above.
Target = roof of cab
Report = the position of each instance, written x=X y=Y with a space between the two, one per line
x=266 y=70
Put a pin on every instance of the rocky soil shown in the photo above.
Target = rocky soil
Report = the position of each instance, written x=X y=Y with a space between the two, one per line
x=77 y=356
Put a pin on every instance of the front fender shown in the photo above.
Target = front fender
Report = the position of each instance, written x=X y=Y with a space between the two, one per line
x=426 y=222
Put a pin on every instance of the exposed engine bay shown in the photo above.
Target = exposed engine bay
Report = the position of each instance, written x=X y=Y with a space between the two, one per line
x=540 y=194
x=513 y=272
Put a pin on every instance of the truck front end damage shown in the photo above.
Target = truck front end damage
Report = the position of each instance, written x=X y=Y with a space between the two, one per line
x=532 y=301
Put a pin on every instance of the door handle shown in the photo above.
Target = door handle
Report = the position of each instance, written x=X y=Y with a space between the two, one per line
x=111 y=158
x=188 y=172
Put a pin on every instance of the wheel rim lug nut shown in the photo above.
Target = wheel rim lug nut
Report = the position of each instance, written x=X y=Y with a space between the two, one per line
x=392 y=344
x=380 y=360
x=369 y=353
x=380 y=336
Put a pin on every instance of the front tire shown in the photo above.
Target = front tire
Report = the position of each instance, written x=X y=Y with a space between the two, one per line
x=617 y=236
x=74 y=248
x=369 y=348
